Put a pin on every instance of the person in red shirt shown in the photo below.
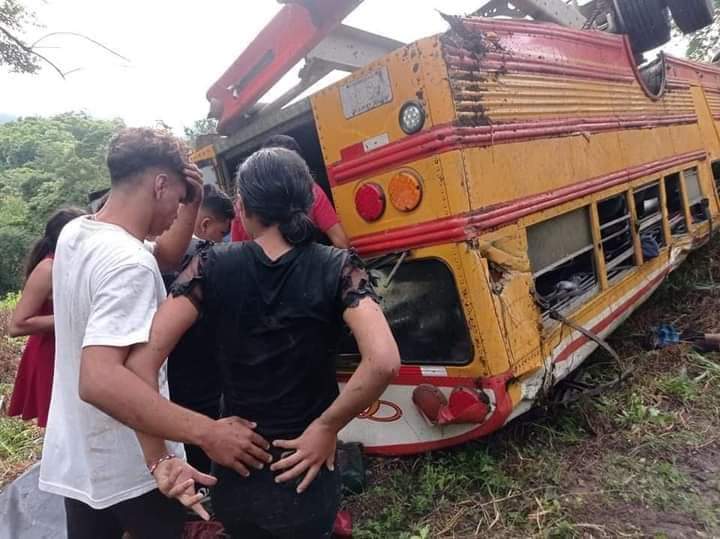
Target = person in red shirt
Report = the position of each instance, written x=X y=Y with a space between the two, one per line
x=322 y=213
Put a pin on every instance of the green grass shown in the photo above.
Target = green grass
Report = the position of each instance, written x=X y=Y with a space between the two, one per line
x=9 y=302
x=679 y=386
x=20 y=441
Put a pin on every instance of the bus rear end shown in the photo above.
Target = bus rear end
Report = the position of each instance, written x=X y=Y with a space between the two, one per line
x=398 y=183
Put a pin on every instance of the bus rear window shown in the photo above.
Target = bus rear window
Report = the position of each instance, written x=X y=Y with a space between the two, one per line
x=422 y=305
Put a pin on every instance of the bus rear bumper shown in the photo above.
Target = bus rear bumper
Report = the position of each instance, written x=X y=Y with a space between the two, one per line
x=396 y=426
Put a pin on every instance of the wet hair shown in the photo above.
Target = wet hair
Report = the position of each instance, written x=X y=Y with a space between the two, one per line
x=283 y=141
x=217 y=203
x=134 y=149
x=46 y=245
x=276 y=187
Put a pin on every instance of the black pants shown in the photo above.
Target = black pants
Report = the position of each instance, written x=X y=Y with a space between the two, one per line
x=257 y=508
x=150 y=516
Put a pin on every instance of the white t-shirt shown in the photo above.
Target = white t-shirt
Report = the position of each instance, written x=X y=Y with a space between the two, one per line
x=106 y=289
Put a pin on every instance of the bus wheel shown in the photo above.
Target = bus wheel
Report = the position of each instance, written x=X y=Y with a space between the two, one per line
x=646 y=22
x=692 y=15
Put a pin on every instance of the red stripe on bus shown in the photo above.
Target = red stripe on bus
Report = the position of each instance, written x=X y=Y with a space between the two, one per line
x=444 y=138
x=582 y=47
x=467 y=226
x=521 y=64
x=412 y=375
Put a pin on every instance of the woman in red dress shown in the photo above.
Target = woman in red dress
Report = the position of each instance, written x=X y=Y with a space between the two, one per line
x=33 y=316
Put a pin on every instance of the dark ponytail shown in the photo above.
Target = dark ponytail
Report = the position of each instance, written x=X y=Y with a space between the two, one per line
x=46 y=245
x=298 y=229
x=276 y=186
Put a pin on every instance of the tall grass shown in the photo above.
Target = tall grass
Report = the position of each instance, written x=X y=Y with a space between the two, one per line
x=9 y=302
x=20 y=441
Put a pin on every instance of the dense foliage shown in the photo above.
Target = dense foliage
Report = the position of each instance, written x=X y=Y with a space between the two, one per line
x=45 y=164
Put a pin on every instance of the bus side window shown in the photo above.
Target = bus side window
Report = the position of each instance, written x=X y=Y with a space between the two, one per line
x=616 y=235
x=649 y=219
x=562 y=259
x=674 y=203
x=694 y=195
x=716 y=174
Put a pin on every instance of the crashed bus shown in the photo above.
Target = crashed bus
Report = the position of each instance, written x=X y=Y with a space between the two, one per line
x=518 y=188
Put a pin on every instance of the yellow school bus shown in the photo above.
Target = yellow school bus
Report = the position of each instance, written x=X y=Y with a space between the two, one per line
x=518 y=189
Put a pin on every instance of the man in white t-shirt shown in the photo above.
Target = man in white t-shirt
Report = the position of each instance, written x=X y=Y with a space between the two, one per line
x=106 y=289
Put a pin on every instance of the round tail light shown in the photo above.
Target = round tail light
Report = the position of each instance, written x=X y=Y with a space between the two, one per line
x=370 y=201
x=412 y=117
x=405 y=191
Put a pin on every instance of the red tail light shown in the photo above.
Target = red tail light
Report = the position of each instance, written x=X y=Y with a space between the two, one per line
x=465 y=405
x=370 y=201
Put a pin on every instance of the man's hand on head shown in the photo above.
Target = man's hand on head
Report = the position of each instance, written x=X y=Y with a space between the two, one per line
x=194 y=178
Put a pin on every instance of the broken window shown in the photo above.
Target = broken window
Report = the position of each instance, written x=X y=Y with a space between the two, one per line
x=698 y=211
x=422 y=305
x=616 y=236
x=649 y=219
x=562 y=259
x=675 y=206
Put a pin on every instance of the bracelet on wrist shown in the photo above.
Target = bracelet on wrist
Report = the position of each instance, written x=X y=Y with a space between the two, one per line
x=153 y=466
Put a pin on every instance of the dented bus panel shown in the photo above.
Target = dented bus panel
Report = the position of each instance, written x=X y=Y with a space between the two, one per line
x=499 y=179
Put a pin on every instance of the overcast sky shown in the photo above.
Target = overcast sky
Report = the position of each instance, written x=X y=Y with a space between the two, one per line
x=176 y=50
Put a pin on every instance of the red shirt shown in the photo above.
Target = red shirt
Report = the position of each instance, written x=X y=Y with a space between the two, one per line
x=322 y=214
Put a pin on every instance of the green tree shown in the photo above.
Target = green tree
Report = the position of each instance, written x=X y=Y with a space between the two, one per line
x=22 y=56
x=206 y=126
x=705 y=44
x=45 y=164
x=15 y=240
x=14 y=18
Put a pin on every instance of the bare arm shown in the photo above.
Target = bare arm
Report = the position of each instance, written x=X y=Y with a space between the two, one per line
x=106 y=383
x=146 y=360
x=38 y=288
x=326 y=219
x=171 y=246
x=337 y=236
x=379 y=364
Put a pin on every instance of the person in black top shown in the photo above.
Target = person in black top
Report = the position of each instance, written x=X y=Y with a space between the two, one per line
x=276 y=307
x=193 y=374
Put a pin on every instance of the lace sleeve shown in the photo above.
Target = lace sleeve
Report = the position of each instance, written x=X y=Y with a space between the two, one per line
x=191 y=279
x=355 y=282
